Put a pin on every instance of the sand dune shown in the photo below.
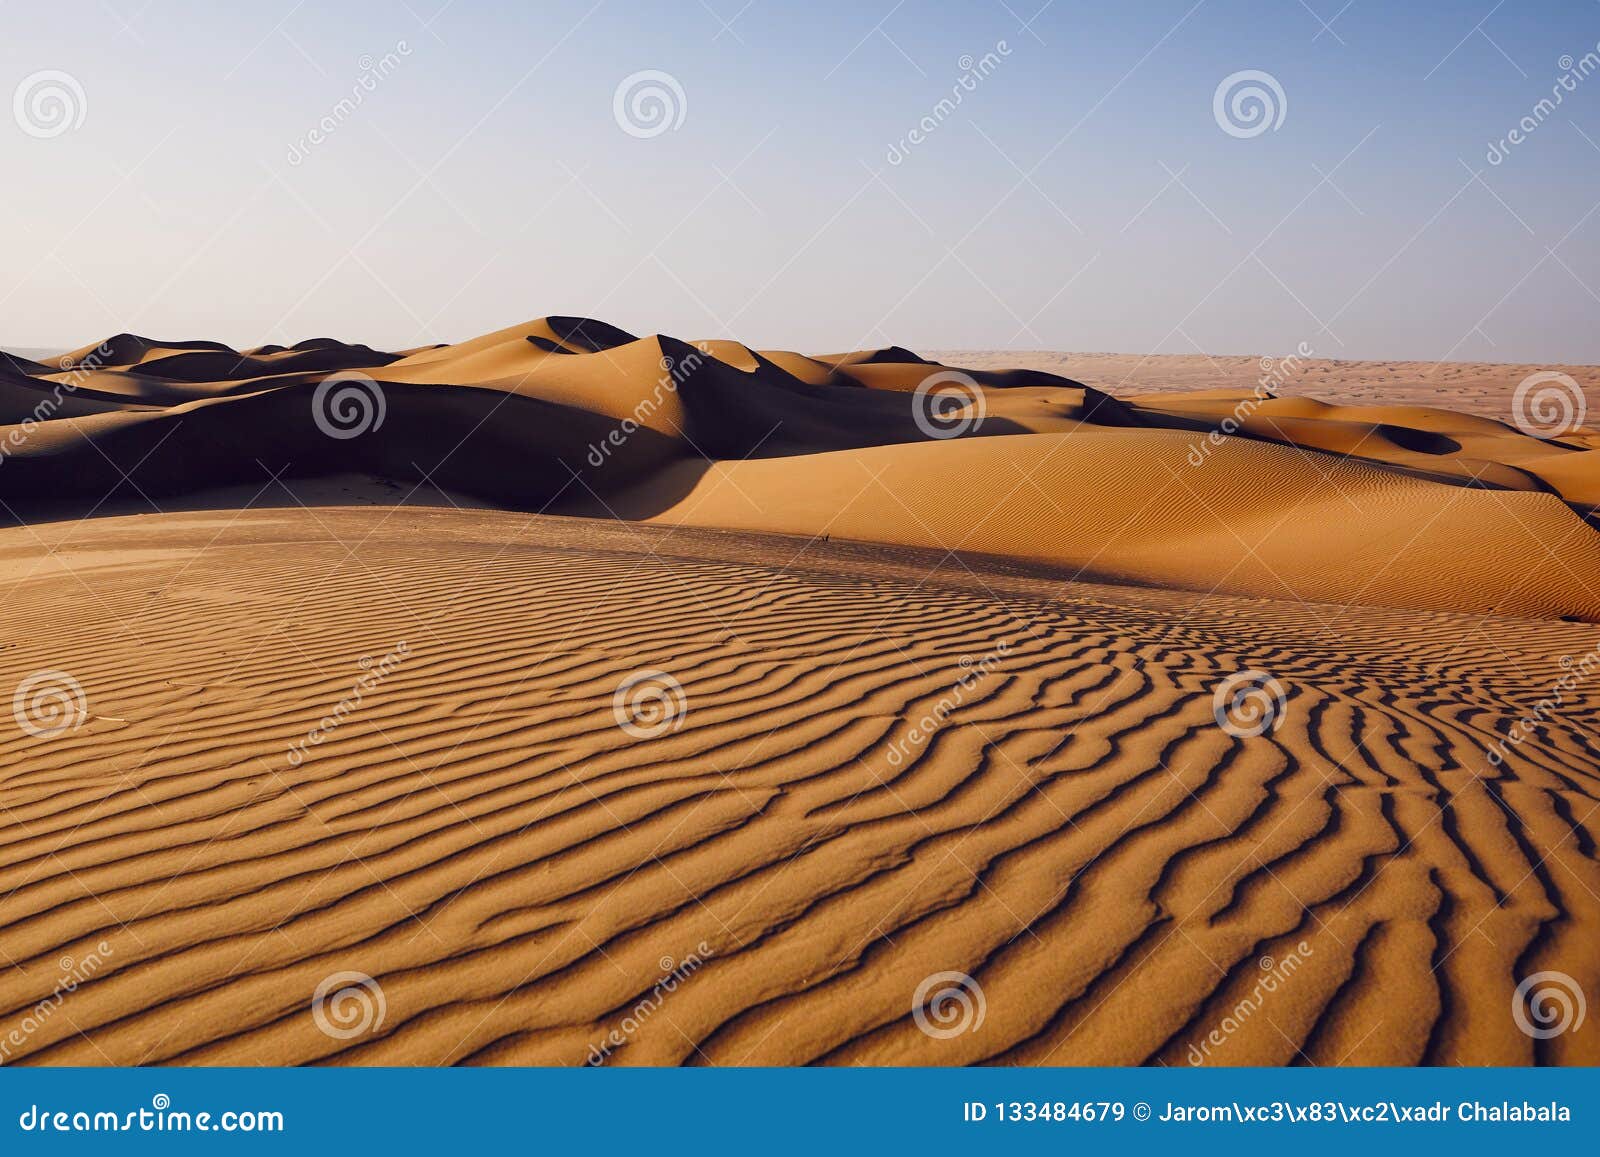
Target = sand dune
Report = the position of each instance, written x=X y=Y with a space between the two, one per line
x=1334 y=531
x=566 y=696
x=1483 y=388
x=1240 y=492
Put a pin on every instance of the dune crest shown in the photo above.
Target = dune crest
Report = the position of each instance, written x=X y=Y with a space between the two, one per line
x=1241 y=492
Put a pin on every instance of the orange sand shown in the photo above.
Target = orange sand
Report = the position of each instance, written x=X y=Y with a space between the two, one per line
x=935 y=706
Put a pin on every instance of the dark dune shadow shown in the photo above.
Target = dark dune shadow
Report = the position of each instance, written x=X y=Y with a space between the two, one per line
x=494 y=448
x=1419 y=441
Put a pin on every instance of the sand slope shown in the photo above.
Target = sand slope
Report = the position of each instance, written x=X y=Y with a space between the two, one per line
x=1113 y=871
x=1259 y=519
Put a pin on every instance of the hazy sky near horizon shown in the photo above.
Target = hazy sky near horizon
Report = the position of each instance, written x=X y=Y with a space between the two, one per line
x=1083 y=194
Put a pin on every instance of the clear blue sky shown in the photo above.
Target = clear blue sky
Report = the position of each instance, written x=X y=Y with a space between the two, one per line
x=1082 y=196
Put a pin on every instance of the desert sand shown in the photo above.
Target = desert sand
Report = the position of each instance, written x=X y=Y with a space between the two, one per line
x=563 y=697
x=1483 y=388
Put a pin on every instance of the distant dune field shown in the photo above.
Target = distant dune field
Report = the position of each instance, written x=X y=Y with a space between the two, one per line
x=564 y=697
x=1486 y=389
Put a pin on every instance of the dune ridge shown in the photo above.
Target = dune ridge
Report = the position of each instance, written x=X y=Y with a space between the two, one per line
x=1244 y=492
